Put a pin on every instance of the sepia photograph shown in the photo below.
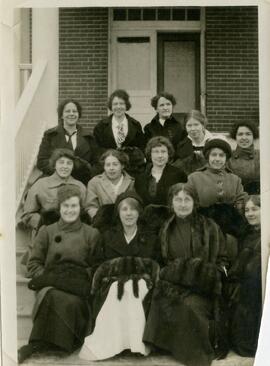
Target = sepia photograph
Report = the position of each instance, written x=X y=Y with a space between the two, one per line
x=136 y=161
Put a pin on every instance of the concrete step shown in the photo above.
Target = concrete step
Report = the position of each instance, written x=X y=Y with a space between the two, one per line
x=24 y=326
x=20 y=268
x=132 y=360
x=25 y=297
x=25 y=303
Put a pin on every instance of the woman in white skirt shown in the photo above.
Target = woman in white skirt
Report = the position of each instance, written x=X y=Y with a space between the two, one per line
x=122 y=284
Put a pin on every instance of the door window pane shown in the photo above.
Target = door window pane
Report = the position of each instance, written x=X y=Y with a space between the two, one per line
x=119 y=14
x=149 y=14
x=133 y=63
x=193 y=14
x=164 y=14
x=134 y=14
x=179 y=73
x=178 y=14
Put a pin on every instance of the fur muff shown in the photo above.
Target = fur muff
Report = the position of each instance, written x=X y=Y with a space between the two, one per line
x=190 y=163
x=123 y=269
x=136 y=163
x=67 y=277
x=230 y=220
x=154 y=216
x=104 y=217
x=202 y=277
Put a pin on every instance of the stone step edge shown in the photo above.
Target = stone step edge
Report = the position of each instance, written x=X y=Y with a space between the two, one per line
x=22 y=279
x=24 y=314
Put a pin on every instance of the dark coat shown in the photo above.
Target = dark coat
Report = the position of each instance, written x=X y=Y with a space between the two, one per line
x=104 y=135
x=170 y=176
x=172 y=129
x=245 y=296
x=117 y=256
x=184 y=148
x=60 y=243
x=86 y=151
x=145 y=244
x=186 y=317
x=63 y=257
x=246 y=164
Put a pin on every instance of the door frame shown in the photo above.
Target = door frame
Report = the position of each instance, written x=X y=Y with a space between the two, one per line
x=173 y=36
x=153 y=28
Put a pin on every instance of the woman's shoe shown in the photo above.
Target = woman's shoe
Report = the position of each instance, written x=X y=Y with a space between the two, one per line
x=25 y=352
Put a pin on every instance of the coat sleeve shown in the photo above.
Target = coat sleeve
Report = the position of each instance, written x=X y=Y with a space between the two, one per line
x=44 y=154
x=98 y=134
x=218 y=244
x=240 y=195
x=182 y=177
x=140 y=138
x=36 y=264
x=192 y=185
x=31 y=210
x=96 y=255
x=147 y=133
x=91 y=201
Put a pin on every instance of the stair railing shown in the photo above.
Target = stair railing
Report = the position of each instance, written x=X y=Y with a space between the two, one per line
x=30 y=121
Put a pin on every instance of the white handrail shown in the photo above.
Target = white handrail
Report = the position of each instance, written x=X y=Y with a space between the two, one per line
x=25 y=73
x=29 y=93
x=30 y=122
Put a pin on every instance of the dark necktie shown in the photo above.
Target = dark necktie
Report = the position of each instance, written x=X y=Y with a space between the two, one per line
x=69 y=142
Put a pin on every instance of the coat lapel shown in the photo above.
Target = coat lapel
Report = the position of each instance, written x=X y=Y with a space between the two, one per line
x=82 y=148
x=132 y=130
x=108 y=132
x=200 y=238
x=119 y=245
x=60 y=140
x=107 y=188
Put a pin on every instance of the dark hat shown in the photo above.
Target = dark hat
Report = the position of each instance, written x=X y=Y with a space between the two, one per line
x=128 y=194
x=217 y=143
x=67 y=191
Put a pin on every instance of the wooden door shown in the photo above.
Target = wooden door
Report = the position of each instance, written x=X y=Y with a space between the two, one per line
x=178 y=69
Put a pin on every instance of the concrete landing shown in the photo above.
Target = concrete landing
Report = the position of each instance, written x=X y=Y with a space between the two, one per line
x=132 y=360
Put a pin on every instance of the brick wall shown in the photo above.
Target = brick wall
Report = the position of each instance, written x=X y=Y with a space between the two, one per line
x=83 y=60
x=231 y=66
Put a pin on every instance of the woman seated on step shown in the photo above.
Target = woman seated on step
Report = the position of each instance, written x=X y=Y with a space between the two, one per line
x=41 y=204
x=61 y=266
x=119 y=129
x=245 y=159
x=185 y=316
x=164 y=123
x=219 y=192
x=104 y=188
x=244 y=278
x=189 y=152
x=122 y=284
x=69 y=135
x=153 y=184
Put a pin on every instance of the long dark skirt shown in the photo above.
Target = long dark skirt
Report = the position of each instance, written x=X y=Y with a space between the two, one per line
x=182 y=327
x=246 y=317
x=61 y=320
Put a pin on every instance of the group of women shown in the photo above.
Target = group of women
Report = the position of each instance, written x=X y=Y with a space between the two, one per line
x=162 y=248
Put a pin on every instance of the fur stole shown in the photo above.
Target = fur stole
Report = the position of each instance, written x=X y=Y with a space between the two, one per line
x=208 y=242
x=124 y=268
x=193 y=274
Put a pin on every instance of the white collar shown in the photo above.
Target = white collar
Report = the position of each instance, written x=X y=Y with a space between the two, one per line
x=128 y=240
x=207 y=136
